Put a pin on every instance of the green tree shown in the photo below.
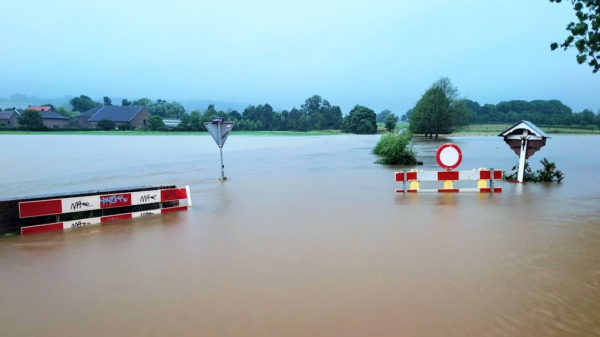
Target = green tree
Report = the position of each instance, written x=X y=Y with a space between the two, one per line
x=156 y=123
x=165 y=109
x=107 y=100
x=64 y=112
x=105 y=124
x=584 y=34
x=125 y=102
x=395 y=149
x=383 y=115
x=185 y=123
x=320 y=114
x=32 y=120
x=390 y=122
x=360 y=120
x=83 y=103
x=125 y=126
x=141 y=102
x=195 y=121
x=439 y=111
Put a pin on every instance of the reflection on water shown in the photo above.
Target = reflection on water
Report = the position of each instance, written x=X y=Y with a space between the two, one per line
x=307 y=237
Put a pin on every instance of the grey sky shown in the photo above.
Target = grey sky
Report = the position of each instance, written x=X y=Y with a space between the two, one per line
x=382 y=54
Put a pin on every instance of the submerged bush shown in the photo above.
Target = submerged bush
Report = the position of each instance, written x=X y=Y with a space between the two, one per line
x=548 y=174
x=395 y=149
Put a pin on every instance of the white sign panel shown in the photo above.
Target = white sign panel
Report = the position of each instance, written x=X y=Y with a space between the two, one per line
x=81 y=223
x=145 y=213
x=79 y=204
x=219 y=131
x=145 y=197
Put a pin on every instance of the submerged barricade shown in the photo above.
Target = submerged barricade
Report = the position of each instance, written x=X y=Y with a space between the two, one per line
x=449 y=157
x=46 y=213
x=485 y=180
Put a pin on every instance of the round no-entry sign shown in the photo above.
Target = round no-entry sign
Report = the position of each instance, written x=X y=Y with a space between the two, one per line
x=448 y=156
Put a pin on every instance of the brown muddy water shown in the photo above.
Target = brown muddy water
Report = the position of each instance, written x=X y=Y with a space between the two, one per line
x=306 y=238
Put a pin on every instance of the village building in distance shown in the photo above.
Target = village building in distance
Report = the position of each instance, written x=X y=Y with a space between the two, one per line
x=137 y=116
x=51 y=119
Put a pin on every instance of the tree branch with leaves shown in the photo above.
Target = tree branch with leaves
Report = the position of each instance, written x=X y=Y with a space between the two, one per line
x=584 y=34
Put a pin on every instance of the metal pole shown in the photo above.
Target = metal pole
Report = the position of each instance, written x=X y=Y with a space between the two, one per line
x=404 y=181
x=522 y=156
x=492 y=180
x=221 y=151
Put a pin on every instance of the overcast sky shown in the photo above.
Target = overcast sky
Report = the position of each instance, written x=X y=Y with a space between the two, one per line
x=381 y=54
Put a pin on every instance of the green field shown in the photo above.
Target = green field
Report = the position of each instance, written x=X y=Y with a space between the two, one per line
x=496 y=129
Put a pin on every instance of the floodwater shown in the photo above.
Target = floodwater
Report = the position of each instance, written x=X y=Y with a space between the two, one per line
x=306 y=238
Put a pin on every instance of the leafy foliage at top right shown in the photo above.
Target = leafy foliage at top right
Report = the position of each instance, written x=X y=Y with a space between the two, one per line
x=584 y=34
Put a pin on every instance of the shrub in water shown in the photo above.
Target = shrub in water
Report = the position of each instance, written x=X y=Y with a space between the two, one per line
x=395 y=149
x=548 y=174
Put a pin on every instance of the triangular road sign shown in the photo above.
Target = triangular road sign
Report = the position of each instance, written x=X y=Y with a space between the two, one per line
x=219 y=131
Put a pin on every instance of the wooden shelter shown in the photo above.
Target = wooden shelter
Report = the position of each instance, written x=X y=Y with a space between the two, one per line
x=525 y=139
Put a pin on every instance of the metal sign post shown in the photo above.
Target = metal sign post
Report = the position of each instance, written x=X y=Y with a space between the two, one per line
x=220 y=130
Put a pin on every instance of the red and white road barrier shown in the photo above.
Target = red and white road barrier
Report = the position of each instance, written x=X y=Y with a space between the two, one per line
x=100 y=202
x=482 y=176
x=449 y=156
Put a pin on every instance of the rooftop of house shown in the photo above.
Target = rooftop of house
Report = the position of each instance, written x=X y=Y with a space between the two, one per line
x=6 y=114
x=115 y=113
x=51 y=115
x=39 y=108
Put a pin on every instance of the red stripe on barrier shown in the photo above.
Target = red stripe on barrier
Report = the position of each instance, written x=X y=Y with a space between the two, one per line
x=448 y=190
x=399 y=176
x=115 y=217
x=173 y=209
x=497 y=189
x=497 y=175
x=411 y=176
x=173 y=194
x=448 y=175
x=399 y=191
x=485 y=190
x=484 y=175
x=39 y=208
x=115 y=200
x=42 y=228
x=412 y=191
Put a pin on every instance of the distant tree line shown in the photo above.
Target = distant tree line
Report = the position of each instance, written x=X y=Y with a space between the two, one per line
x=314 y=114
x=551 y=112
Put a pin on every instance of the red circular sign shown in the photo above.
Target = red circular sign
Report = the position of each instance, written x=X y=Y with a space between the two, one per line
x=448 y=156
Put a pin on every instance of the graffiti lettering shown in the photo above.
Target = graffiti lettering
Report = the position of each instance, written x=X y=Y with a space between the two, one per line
x=80 y=224
x=80 y=204
x=147 y=197
x=146 y=213
x=224 y=135
x=113 y=199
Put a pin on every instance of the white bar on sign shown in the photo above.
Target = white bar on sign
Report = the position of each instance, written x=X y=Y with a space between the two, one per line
x=469 y=175
x=145 y=213
x=145 y=197
x=89 y=203
x=81 y=223
x=189 y=195
x=427 y=176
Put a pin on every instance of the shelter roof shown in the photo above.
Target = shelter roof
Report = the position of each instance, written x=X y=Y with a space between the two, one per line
x=525 y=125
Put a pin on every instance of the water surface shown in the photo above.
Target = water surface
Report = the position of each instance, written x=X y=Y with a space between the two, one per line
x=306 y=238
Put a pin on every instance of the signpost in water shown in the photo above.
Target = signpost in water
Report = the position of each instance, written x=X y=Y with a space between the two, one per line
x=219 y=129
